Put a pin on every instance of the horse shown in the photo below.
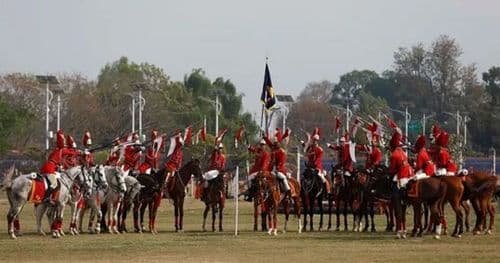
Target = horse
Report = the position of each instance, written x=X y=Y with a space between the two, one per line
x=381 y=192
x=269 y=197
x=312 y=190
x=176 y=188
x=292 y=200
x=431 y=190
x=112 y=197
x=360 y=202
x=19 y=190
x=133 y=188
x=93 y=202
x=480 y=188
x=214 y=197
x=341 y=196
x=149 y=196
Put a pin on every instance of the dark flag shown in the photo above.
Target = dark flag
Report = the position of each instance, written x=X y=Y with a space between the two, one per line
x=268 y=97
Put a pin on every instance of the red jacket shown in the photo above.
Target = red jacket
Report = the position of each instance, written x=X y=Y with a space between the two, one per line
x=343 y=156
x=113 y=158
x=132 y=157
x=55 y=159
x=70 y=158
x=399 y=164
x=444 y=161
x=262 y=160
x=314 y=156
x=278 y=160
x=174 y=161
x=151 y=160
x=425 y=163
x=217 y=161
x=373 y=155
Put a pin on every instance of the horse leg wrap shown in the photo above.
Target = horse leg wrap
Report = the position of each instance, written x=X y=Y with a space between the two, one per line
x=17 y=226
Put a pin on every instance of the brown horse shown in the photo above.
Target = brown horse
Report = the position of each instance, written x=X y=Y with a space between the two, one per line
x=269 y=197
x=341 y=197
x=176 y=188
x=480 y=188
x=312 y=191
x=215 y=198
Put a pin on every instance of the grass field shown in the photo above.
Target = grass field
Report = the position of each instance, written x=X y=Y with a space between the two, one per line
x=196 y=246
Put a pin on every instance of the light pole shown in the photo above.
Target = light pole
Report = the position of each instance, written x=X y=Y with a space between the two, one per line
x=494 y=159
x=407 y=120
x=47 y=80
x=458 y=119
x=132 y=111
x=424 y=120
x=218 y=110
x=142 y=102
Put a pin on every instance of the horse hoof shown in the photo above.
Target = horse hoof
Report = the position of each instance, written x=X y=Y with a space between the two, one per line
x=403 y=236
x=374 y=230
x=41 y=233
x=12 y=236
x=275 y=232
x=284 y=231
x=337 y=229
x=476 y=232
x=437 y=237
x=269 y=232
x=61 y=233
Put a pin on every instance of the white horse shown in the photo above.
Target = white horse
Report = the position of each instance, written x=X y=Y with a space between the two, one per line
x=133 y=188
x=99 y=182
x=18 y=188
x=113 y=195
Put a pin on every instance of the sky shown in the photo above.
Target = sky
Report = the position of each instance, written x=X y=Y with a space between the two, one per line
x=306 y=41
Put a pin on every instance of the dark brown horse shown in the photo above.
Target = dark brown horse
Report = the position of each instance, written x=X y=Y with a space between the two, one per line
x=269 y=197
x=312 y=192
x=149 y=197
x=215 y=198
x=341 y=197
x=176 y=188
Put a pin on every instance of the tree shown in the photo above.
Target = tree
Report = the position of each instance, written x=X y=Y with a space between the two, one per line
x=320 y=91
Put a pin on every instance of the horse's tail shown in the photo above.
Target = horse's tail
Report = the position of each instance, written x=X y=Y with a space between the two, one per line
x=10 y=175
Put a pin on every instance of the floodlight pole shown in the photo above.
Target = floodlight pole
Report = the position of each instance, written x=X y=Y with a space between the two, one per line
x=47 y=113
x=133 y=114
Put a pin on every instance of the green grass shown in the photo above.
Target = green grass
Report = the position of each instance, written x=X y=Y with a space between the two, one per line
x=248 y=246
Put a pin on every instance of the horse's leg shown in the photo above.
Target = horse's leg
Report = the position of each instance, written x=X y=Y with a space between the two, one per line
x=305 y=203
x=320 y=205
x=39 y=212
x=417 y=219
x=135 y=212
x=156 y=206
x=221 y=208
x=491 y=212
x=311 y=213
x=477 y=211
x=275 y=218
x=286 y=209
x=205 y=214
x=213 y=216
x=466 y=207
x=12 y=215
x=372 y=216
x=484 y=204
x=255 y=214
x=337 y=213
x=181 y=214
x=296 y=204
x=346 y=228
x=330 y=212
x=142 y=211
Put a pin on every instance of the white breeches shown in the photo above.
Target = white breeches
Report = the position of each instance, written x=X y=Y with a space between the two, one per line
x=210 y=175
x=148 y=171
x=403 y=182
x=419 y=175
x=125 y=173
x=322 y=174
x=347 y=173
x=441 y=172
x=53 y=179
x=282 y=176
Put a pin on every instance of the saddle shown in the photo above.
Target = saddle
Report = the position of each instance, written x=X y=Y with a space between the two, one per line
x=40 y=188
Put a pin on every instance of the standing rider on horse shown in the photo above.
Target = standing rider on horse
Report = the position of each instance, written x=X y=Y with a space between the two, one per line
x=278 y=157
x=114 y=153
x=174 y=157
x=153 y=154
x=424 y=165
x=132 y=155
x=216 y=165
x=372 y=150
x=88 y=158
x=445 y=166
x=54 y=164
x=314 y=155
x=262 y=163
x=398 y=164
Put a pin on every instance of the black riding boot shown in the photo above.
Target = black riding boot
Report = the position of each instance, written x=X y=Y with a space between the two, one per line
x=250 y=193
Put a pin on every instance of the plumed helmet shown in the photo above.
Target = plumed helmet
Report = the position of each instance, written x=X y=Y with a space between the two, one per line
x=262 y=142
x=60 y=140
x=442 y=139
x=70 y=142
x=87 y=139
x=154 y=134
x=420 y=142
x=396 y=139
x=219 y=146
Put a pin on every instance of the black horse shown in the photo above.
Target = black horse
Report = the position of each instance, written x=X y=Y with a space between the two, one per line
x=311 y=190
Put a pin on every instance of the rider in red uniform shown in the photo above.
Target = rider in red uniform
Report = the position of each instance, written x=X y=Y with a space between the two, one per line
x=344 y=159
x=70 y=157
x=262 y=162
x=132 y=155
x=153 y=154
x=278 y=157
x=88 y=158
x=114 y=154
x=398 y=164
x=373 y=153
x=54 y=162
x=445 y=166
x=174 y=156
x=314 y=155
x=424 y=165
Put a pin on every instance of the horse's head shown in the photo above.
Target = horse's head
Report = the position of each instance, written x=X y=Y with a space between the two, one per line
x=86 y=182
x=99 y=176
x=119 y=176
x=194 y=168
x=381 y=185
x=309 y=172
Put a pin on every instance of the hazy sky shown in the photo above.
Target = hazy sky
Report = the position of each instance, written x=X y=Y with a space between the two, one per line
x=306 y=40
